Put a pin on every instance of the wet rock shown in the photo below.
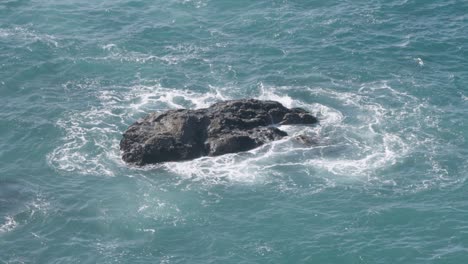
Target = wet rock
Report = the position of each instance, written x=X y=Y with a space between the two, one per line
x=306 y=140
x=225 y=127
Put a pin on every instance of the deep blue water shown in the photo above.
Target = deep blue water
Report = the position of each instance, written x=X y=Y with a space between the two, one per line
x=386 y=181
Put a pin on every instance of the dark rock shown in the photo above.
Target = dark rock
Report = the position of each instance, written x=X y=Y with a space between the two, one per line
x=306 y=140
x=225 y=127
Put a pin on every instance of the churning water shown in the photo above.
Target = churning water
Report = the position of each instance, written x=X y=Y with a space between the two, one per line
x=384 y=182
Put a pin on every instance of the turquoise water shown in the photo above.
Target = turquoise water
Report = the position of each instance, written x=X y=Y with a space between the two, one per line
x=386 y=182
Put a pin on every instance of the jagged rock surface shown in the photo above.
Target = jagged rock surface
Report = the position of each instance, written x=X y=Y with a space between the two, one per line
x=225 y=127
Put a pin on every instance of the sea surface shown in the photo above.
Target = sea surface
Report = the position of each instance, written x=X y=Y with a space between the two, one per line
x=385 y=182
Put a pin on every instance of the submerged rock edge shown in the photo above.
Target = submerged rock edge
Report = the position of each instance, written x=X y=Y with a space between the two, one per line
x=225 y=127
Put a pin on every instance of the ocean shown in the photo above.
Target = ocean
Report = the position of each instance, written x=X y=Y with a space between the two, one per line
x=385 y=181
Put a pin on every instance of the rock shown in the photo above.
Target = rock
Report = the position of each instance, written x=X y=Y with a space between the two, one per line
x=225 y=127
x=306 y=140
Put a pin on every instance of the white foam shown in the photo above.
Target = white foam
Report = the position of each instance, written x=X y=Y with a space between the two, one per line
x=109 y=46
x=263 y=249
x=91 y=141
x=38 y=205
x=148 y=230
x=27 y=36
x=4 y=33
x=376 y=157
x=9 y=225
x=213 y=170
x=419 y=61
x=354 y=149
x=195 y=3
x=269 y=94
x=174 y=55
x=405 y=42
x=356 y=137
x=464 y=97
x=161 y=211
